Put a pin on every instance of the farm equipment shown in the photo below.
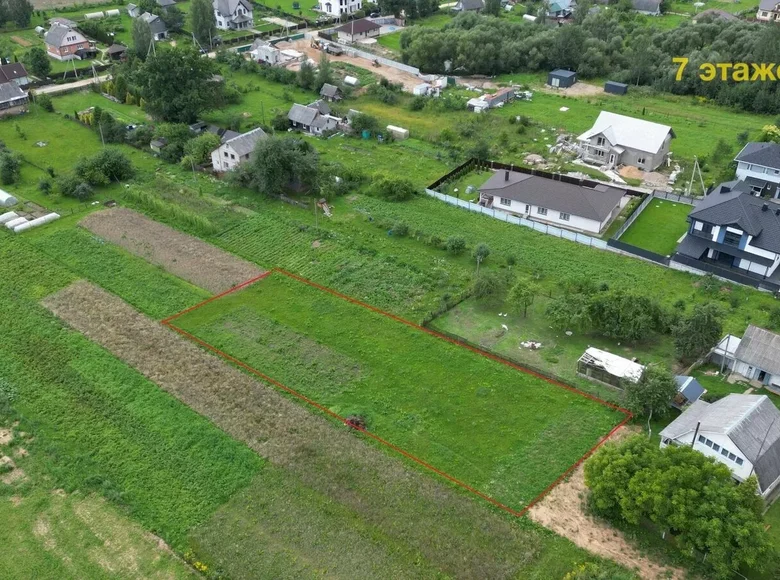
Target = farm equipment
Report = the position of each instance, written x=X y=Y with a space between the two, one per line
x=376 y=63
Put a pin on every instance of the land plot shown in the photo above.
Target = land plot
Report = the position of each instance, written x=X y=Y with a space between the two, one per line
x=183 y=255
x=483 y=422
x=659 y=227
x=416 y=516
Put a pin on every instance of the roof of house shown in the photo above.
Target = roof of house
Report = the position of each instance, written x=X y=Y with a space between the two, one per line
x=227 y=7
x=646 y=5
x=730 y=205
x=64 y=21
x=615 y=365
x=556 y=6
x=12 y=71
x=358 y=26
x=302 y=114
x=322 y=106
x=245 y=143
x=591 y=203
x=750 y=421
x=132 y=7
x=500 y=94
x=694 y=246
x=156 y=23
x=689 y=387
x=559 y=72
x=629 y=132
x=764 y=154
x=11 y=92
x=715 y=13
x=761 y=349
x=466 y=5
x=166 y=3
x=55 y=36
x=769 y=5
x=329 y=90
x=116 y=49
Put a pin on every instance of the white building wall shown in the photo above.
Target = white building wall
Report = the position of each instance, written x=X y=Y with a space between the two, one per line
x=741 y=472
x=225 y=158
x=552 y=217
x=745 y=170
x=758 y=251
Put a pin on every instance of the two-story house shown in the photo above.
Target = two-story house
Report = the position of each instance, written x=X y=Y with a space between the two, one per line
x=740 y=431
x=14 y=72
x=758 y=165
x=236 y=150
x=336 y=8
x=735 y=230
x=619 y=140
x=156 y=25
x=233 y=14
x=769 y=11
x=64 y=42
x=560 y=203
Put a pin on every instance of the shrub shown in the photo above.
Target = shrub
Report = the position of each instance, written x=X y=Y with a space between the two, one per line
x=455 y=245
x=45 y=102
x=393 y=189
x=73 y=186
x=400 y=229
x=104 y=167
x=44 y=186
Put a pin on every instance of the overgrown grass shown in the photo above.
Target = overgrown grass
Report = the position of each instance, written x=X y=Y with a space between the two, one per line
x=659 y=227
x=317 y=344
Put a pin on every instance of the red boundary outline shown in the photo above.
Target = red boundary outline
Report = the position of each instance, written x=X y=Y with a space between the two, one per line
x=627 y=414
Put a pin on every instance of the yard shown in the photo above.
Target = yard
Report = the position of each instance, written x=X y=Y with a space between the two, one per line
x=397 y=383
x=659 y=227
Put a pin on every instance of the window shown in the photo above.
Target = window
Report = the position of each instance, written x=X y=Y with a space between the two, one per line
x=541 y=210
x=715 y=447
x=527 y=208
x=226 y=153
x=600 y=141
x=709 y=443
x=599 y=153
x=232 y=156
x=564 y=216
x=732 y=457
x=505 y=201
x=724 y=452
x=739 y=461
x=732 y=239
x=706 y=228
x=640 y=160
x=702 y=439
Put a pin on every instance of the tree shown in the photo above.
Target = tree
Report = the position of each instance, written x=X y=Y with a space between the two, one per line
x=652 y=394
x=697 y=333
x=306 y=75
x=393 y=188
x=202 y=21
x=20 y=11
x=37 y=62
x=363 y=122
x=103 y=167
x=522 y=295
x=142 y=38
x=488 y=284
x=622 y=315
x=44 y=102
x=10 y=167
x=492 y=7
x=173 y=18
x=278 y=164
x=324 y=72
x=677 y=488
x=197 y=151
x=455 y=245
x=568 y=312
x=44 y=186
x=178 y=85
x=480 y=254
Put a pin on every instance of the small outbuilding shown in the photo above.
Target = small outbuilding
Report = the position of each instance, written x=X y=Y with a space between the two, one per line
x=398 y=133
x=561 y=79
x=157 y=145
x=607 y=368
x=614 y=88
x=689 y=390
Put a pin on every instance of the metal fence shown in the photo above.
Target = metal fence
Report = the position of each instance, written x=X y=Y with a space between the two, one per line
x=641 y=252
x=512 y=219
x=693 y=265
x=675 y=197
x=632 y=218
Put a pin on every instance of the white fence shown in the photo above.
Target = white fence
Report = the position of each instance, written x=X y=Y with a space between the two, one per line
x=352 y=51
x=512 y=219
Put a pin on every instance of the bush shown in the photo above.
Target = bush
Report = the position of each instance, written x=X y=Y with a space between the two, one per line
x=10 y=167
x=400 y=229
x=393 y=189
x=73 y=186
x=455 y=245
x=44 y=186
x=45 y=102
x=104 y=167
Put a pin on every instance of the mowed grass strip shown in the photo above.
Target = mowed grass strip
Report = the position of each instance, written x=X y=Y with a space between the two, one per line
x=659 y=227
x=487 y=424
x=98 y=424
x=420 y=526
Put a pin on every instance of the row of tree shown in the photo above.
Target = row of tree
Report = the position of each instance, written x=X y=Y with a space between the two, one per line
x=610 y=44
x=684 y=493
x=19 y=12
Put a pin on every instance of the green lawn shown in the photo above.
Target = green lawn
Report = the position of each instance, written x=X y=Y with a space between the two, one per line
x=391 y=41
x=732 y=7
x=659 y=227
x=316 y=343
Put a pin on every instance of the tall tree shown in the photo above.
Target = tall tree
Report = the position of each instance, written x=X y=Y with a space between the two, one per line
x=177 y=84
x=697 y=333
x=173 y=18
x=324 y=72
x=652 y=394
x=202 y=21
x=306 y=75
x=278 y=164
x=37 y=62
x=480 y=254
x=20 y=11
x=492 y=7
x=142 y=38
x=522 y=295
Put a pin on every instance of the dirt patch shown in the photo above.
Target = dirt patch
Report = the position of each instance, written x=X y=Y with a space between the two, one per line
x=181 y=254
x=21 y=41
x=563 y=511
x=16 y=500
x=649 y=178
x=6 y=436
x=14 y=474
x=379 y=490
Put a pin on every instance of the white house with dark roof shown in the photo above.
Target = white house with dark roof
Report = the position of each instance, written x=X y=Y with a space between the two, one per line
x=156 y=25
x=755 y=356
x=647 y=7
x=758 y=164
x=236 y=150
x=769 y=11
x=619 y=140
x=740 y=431
x=311 y=119
x=13 y=100
x=233 y=14
x=336 y=8
x=356 y=30
x=560 y=203
x=733 y=229
x=331 y=92
x=14 y=72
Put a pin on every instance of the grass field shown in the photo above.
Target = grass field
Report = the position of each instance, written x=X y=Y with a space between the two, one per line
x=395 y=381
x=391 y=41
x=659 y=227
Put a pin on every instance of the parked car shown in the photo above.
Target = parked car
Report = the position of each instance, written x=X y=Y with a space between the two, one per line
x=334 y=49
x=374 y=15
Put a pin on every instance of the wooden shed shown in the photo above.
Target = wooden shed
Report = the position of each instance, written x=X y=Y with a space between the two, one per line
x=615 y=88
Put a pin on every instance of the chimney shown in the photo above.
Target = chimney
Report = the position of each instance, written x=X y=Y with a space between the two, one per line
x=506 y=175
x=765 y=207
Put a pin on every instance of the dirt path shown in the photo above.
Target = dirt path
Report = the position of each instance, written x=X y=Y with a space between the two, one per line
x=185 y=256
x=563 y=511
x=68 y=87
